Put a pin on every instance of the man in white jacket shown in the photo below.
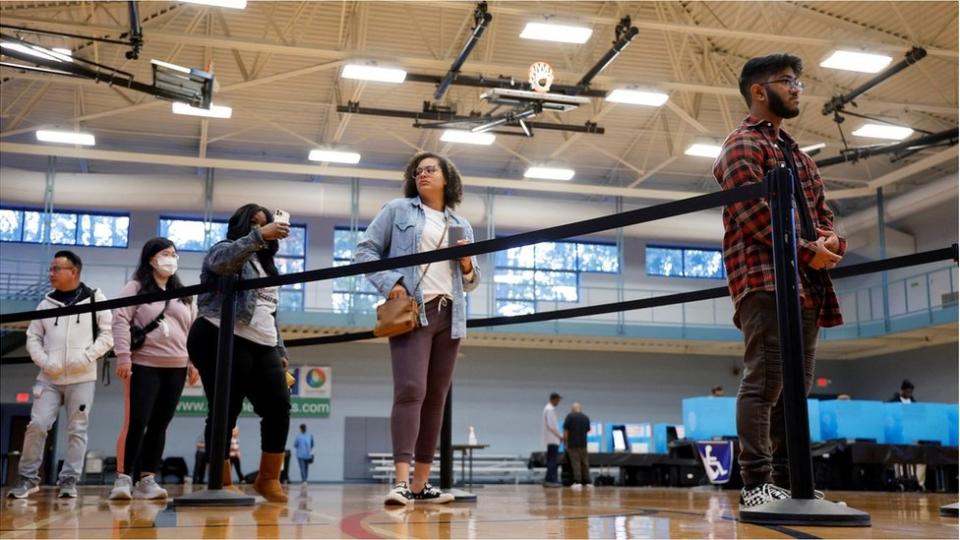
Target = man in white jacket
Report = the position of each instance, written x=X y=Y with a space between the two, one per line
x=66 y=350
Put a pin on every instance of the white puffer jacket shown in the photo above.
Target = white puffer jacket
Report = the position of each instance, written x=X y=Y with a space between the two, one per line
x=63 y=347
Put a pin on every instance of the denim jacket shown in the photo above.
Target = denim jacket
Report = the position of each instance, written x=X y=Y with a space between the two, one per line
x=396 y=231
x=229 y=257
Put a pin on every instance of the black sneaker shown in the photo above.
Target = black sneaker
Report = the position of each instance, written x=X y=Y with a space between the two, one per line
x=431 y=494
x=817 y=494
x=762 y=494
x=400 y=494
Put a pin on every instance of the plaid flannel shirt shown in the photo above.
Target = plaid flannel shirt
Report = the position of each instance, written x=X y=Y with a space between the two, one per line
x=748 y=153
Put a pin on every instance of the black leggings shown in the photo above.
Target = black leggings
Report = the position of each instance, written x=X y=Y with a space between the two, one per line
x=154 y=393
x=257 y=374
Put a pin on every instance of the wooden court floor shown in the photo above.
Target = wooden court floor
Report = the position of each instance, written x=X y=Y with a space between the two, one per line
x=356 y=511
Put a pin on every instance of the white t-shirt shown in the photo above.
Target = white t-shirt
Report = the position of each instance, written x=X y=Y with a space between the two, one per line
x=262 y=328
x=549 y=429
x=439 y=278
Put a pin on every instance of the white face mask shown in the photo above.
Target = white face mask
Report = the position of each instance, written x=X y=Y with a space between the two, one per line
x=165 y=266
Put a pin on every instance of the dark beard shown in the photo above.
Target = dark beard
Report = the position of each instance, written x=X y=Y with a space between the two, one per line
x=779 y=108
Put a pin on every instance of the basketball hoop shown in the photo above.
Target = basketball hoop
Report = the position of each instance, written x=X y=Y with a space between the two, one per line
x=541 y=77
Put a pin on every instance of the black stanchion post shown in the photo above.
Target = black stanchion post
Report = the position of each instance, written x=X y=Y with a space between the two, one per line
x=802 y=508
x=446 y=443
x=446 y=453
x=215 y=495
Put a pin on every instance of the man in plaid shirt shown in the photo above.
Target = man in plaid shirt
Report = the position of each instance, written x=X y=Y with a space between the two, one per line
x=771 y=87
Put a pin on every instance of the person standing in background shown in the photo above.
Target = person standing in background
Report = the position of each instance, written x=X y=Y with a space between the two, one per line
x=575 y=428
x=304 y=447
x=550 y=434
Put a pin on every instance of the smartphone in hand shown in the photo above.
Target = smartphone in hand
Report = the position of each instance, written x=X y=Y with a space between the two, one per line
x=279 y=216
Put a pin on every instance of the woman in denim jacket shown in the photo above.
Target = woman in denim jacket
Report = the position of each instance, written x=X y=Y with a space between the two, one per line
x=259 y=357
x=423 y=359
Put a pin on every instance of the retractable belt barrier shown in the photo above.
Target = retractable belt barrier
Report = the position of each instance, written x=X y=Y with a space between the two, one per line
x=579 y=228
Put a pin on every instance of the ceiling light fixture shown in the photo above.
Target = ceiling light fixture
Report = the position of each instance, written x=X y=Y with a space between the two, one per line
x=703 y=150
x=813 y=147
x=637 y=97
x=373 y=73
x=233 y=4
x=66 y=137
x=856 y=61
x=334 y=156
x=559 y=33
x=549 y=173
x=467 y=137
x=883 y=131
x=215 y=111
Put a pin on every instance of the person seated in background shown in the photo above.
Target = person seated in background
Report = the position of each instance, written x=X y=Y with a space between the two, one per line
x=905 y=395
x=716 y=391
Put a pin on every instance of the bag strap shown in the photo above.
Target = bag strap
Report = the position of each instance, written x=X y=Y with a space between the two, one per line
x=152 y=325
x=440 y=243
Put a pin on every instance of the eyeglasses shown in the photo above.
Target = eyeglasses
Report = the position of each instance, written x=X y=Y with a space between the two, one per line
x=793 y=84
x=175 y=256
x=53 y=269
x=429 y=169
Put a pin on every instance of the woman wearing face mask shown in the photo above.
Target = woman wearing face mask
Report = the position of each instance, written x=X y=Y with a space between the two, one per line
x=153 y=374
x=423 y=359
x=259 y=358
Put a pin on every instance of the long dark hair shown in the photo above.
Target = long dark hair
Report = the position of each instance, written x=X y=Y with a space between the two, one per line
x=452 y=192
x=240 y=224
x=144 y=273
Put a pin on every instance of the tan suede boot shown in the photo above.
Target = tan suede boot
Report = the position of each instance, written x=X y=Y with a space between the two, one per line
x=268 y=479
x=228 y=478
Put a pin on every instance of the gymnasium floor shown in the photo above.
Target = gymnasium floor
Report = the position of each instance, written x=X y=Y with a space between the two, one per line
x=525 y=511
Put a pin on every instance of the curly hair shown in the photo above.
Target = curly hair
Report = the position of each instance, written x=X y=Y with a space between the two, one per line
x=452 y=191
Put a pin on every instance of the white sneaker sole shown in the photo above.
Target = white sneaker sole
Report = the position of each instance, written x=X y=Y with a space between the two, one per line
x=29 y=492
x=119 y=495
x=396 y=498
x=442 y=499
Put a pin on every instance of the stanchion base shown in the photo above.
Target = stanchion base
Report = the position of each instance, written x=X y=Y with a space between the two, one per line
x=214 y=497
x=460 y=495
x=949 y=510
x=805 y=512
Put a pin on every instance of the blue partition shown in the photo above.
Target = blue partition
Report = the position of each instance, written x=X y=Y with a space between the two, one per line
x=716 y=417
x=907 y=423
x=709 y=417
x=952 y=423
x=595 y=440
x=640 y=435
x=660 y=440
x=851 y=419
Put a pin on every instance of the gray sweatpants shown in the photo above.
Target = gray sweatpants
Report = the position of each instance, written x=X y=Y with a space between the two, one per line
x=47 y=398
x=423 y=362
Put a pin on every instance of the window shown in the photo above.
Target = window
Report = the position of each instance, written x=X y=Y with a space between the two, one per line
x=191 y=235
x=66 y=228
x=548 y=272
x=668 y=261
x=351 y=294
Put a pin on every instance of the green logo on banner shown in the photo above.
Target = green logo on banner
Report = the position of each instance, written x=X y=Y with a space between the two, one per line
x=299 y=407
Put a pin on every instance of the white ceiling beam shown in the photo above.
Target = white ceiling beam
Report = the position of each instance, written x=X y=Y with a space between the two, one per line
x=505 y=8
x=329 y=171
x=950 y=154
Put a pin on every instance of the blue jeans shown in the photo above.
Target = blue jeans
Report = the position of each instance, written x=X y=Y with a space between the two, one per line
x=553 y=451
x=303 y=469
